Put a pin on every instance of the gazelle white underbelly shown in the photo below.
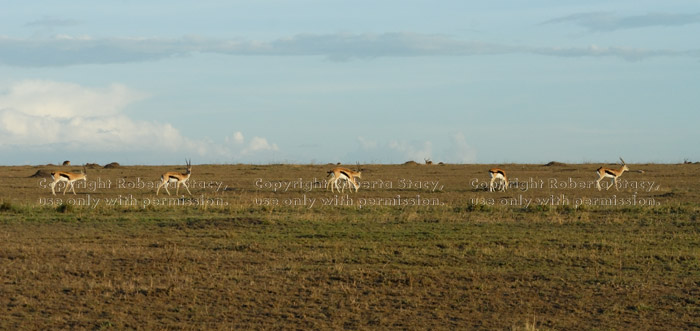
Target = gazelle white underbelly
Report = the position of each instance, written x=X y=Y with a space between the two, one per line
x=497 y=175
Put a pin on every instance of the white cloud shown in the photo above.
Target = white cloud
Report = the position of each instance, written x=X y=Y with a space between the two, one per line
x=17 y=128
x=65 y=117
x=460 y=151
x=65 y=100
x=367 y=143
x=36 y=113
x=238 y=137
x=413 y=150
x=257 y=145
x=260 y=144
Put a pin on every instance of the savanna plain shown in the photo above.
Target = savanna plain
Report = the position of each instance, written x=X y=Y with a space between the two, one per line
x=417 y=247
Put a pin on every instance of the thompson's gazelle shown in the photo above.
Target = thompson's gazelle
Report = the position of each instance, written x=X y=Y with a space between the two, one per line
x=68 y=177
x=176 y=178
x=611 y=173
x=349 y=176
x=498 y=174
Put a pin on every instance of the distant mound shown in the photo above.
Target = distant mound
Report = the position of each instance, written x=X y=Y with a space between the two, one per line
x=112 y=165
x=92 y=166
x=41 y=174
x=411 y=163
x=555 y=164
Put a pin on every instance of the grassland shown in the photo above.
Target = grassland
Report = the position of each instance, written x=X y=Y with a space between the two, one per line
x=418 y=247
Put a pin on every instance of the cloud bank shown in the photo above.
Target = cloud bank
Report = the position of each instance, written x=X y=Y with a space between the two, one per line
x=602 y=21
x=52 y=22
x=68 y=50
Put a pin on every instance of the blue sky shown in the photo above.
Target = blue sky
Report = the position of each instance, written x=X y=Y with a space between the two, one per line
x=349 y=81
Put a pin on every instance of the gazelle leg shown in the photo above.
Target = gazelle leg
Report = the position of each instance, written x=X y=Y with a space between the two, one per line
x=188 y=189
x=337 y=184
x=165 y=186
x=162 y=183
x=331 y=183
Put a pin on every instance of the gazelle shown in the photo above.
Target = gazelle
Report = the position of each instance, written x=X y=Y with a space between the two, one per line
x=340 y=173
x=428 y=161
x=611 y=173
x=68 y=177
x=498 y=174
x=177 y=178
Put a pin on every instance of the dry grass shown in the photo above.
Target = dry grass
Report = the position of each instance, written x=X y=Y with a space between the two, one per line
x=460 y=264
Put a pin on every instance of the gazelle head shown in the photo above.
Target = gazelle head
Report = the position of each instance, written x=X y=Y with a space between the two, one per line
x=624 y=165
x=189 y=166
x=359 y=170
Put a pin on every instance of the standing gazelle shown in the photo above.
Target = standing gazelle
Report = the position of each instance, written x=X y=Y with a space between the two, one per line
x=340 y=173
x=611 y=173
x=498 y=174
x=177 y=178
x=68 y=177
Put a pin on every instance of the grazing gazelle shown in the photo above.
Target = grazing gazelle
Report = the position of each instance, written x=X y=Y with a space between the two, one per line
x=177 y=178
x=68 y=177
x=498 y=174
x=611 y=173
x=340 y=173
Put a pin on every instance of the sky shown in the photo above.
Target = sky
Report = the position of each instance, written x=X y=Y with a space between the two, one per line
x=262 y=82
